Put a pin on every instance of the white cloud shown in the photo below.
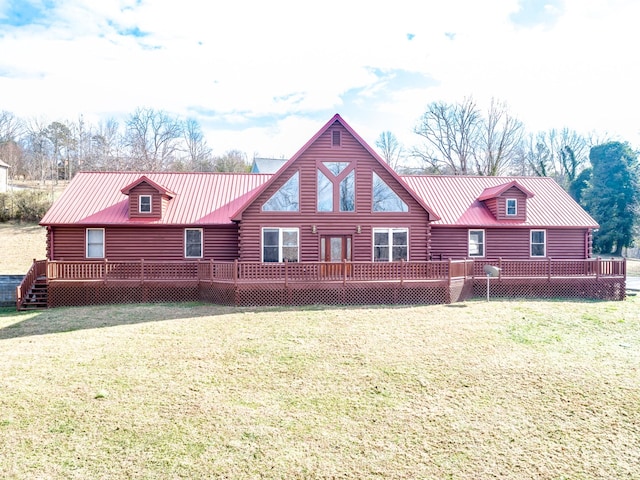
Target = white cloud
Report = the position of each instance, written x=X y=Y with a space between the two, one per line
x=283 y=68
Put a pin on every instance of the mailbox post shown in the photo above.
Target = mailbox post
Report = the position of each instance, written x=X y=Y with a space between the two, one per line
x=491 y=271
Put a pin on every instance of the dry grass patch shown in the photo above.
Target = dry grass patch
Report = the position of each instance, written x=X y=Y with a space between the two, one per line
x=19 y=245
x=473 y=390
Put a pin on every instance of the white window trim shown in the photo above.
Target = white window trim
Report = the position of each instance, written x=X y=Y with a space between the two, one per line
x=281 y=230
x=389 y=231
x=506 y=207
x=544 y=253
x=87 y=242
x=150 y=203
x=484 y=242
x=201 y=242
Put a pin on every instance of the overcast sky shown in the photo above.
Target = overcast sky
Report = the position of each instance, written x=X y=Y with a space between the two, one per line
x=263 y=76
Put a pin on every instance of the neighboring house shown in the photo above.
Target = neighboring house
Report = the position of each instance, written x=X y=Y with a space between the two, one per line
x=333 y=200
x=334 y=224
x=267 y=165
x=4 y=177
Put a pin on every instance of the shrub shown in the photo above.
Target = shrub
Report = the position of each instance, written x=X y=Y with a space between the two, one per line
x=24 y=205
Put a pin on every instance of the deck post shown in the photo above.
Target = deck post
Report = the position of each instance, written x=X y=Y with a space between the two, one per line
x=104 y=273
x=211 y=270
x=598 y=268
x=344 y=272
x=449 y=273
x=499 y=268
x=549 y=270
x=142 y=270
x=286 y=273
x=401 y=271
x=235 y=273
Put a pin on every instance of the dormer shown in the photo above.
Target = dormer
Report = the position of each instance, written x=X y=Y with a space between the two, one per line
x=507 y=201
x=147 y=199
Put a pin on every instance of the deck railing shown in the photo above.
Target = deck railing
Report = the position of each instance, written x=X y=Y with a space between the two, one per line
x=38 y=269
x=551 y=268
x=245 y=272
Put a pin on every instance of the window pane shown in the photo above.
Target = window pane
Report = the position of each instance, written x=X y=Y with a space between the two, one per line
x=270 y=238
x=336 y=167
x=537 y=237
x=381 y=238
x=95 y=243
x=290 y=238
x=286 y=198
x=347 y=193
x=537 y=250
x=290 y=254
x=399 y=238
x=325 y=193
x=385 y=199
x=145 y=203
x=399 y=253
x=193 y=243
x=511 y=206
x=270 y=254
x=476 y=243
x=380 y=254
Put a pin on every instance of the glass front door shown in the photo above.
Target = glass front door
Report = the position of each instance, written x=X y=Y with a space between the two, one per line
x=335 y=250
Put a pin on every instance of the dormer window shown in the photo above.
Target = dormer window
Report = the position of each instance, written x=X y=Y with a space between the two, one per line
x=512 y=207
x=144 y=204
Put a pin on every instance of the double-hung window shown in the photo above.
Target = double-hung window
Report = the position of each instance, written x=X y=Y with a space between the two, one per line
x=280 y=244
x=512 y=207
x=476 y=243
x=193 y=243
x=538 y=243
x=390 y=244
x=144 y=204
x=95 y=242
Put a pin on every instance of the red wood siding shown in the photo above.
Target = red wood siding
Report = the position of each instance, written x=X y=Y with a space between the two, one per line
x=343 y=223
x=513 y=192
x=156 y=201
x=510 y=243
x=150 y=243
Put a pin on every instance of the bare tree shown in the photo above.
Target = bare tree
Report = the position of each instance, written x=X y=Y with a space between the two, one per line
x=390 y=149
x=500 y=138
x=106 y=147
x=39 y=149
x=11 y=151
x=450 y=132
x=199 y=153
x=153 y=138
x=561 y=154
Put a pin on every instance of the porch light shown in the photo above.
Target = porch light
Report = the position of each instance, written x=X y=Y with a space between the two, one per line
x=314 y=229
x=358 y=229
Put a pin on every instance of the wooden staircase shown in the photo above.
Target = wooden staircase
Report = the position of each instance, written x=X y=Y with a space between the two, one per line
x=37 y=296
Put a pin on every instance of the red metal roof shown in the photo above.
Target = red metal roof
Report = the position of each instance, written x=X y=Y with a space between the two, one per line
x=455 y=199
x=493 y=192
x=96 y=198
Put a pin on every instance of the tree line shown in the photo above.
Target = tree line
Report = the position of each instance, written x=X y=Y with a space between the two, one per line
x=149 y=140
x=455 y=138
x=460 y=139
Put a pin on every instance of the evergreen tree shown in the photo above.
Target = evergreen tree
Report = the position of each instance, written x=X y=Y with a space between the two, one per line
x=612 y=196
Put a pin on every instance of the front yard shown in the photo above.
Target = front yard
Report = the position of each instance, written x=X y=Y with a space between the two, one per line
x=505 y=389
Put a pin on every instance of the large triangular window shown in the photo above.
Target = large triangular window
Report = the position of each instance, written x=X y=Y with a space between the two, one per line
x=385 y=199
x=336 y=187
x=287 y=198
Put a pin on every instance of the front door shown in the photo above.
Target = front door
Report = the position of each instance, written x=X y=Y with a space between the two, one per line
x=335 y=249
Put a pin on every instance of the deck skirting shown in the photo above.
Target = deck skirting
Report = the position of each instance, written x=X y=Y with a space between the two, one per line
x=76 y=293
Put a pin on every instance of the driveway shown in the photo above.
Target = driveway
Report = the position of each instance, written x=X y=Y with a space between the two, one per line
x=633 y=284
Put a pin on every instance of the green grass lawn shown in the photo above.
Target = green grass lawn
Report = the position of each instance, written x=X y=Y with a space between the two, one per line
x=505 y=389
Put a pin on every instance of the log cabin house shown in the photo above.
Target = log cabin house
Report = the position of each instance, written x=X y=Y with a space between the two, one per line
x=334 y=225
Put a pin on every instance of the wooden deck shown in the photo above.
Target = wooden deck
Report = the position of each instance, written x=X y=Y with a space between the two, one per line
x=250 y=283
